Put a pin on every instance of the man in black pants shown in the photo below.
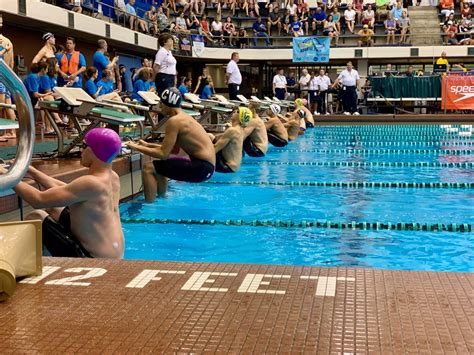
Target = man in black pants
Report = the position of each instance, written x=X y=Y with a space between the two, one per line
x=233 y=76
x=323 y=83
x=349 y=78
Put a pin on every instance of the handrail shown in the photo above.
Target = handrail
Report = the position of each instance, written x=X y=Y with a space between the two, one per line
x=26 y=136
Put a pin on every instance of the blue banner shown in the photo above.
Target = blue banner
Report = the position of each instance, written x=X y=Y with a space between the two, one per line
x=311 y=49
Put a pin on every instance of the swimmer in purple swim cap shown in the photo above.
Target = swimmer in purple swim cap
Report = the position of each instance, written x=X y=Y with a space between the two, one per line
x=82 y=217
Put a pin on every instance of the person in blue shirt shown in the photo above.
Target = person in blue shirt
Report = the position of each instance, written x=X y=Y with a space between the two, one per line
x=49 y=81
x=132 y=14
x=100 y=61
x=318 y=20
x=141 y=84
x=260 y=30
x=32 y=85
x=206 y=92
x=72 y=64
x=296 y=27
x=106 y=82
x=185 y=85
x=126 y=77
x=105 y=86
x=90 y=87
x=32 y=80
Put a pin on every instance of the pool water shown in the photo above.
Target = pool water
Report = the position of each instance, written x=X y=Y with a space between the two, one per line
x=159 y=231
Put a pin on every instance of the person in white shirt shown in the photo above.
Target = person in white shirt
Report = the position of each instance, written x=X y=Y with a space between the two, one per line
x=349 y=78
x=165 y=64
x=313 y=96
x=323 y=83
x=304 y=82
x=279 y=85
x=349 y=16
x=233 y=76
x=216 y=29
x=292 y=8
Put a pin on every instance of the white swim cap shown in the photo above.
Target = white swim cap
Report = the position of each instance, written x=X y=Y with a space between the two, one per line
x=276 y=109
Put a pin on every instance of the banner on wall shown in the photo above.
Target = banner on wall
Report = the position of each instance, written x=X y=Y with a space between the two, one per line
x=457 y=92
x=182 y=45
x=311 y=49
x=198 y=45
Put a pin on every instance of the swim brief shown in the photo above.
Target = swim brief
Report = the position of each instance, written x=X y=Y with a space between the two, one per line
x=309 y=125
x=189 y=170
x=59 y=239
x=275 y=140
x=251 y=149
x=221 y=164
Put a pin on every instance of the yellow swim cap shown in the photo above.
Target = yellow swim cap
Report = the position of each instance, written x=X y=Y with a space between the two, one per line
x=245 y=115
x=299 y=102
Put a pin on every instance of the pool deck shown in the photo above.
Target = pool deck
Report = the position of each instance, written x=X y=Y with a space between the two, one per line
x=175 y=307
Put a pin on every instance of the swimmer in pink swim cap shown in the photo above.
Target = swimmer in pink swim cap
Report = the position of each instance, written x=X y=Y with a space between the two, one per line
x=82 y=218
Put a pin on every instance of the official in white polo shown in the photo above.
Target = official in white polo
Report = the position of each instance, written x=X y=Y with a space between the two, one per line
x=323 y=83
x=349 y=78
x=279 y=85
x=165 y=64
x=233 y=76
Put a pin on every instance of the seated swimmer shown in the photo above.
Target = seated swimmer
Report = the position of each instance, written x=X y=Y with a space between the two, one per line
x=83 y=218
x=255 y=136
x=293 y=125
x=229 y=145
x=276 y=131
x=184 y=132
x=301 y=105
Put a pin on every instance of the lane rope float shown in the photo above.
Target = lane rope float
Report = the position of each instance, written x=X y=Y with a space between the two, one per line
x=379 y=151
x=394 y=143
x=400 y=226
x=353 y=164
x=351 y=184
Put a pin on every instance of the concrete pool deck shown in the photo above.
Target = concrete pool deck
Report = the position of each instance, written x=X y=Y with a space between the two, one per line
x=104 y=306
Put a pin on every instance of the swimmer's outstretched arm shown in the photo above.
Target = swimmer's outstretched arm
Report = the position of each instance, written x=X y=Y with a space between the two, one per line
x=79 y=190
x=44 y=180
x=164 y=150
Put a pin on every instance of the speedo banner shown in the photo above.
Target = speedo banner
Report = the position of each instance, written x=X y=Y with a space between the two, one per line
x=457 y=92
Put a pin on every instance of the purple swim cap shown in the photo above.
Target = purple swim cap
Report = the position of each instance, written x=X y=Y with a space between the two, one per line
x=104 y=143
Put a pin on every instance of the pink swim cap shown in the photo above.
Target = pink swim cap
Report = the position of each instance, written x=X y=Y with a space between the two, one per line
x=104 y=143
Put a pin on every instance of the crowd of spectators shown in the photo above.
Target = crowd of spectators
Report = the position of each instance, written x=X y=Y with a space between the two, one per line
x=457 y=27
x=332 y=18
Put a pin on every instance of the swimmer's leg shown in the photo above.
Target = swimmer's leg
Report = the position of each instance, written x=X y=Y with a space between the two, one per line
x=41 y=216
x=162 y=185
x=55 y=212
x=37 y=215
x=153 y=183
x=150 y=182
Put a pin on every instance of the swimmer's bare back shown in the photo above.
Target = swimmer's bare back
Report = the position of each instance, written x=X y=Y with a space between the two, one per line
x=257 y=132
x=190 y=136
x=95 y=221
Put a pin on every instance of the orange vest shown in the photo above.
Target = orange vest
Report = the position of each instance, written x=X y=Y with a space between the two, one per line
x=72 y=65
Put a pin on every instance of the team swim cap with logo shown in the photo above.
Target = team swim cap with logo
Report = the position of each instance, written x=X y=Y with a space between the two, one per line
x=299 y=102
x=245 y=115
x=302 y=114
x=276 y=109
x=171 y=97
x=104 y=143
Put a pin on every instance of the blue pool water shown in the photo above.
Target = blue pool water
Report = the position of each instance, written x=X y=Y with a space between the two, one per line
x=220 y=199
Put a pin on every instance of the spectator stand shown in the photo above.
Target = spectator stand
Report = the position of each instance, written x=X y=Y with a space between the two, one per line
x=106 y=10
